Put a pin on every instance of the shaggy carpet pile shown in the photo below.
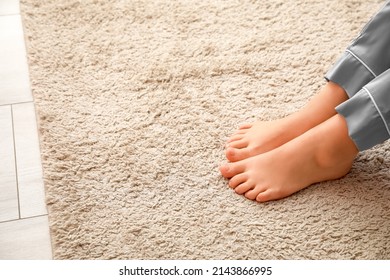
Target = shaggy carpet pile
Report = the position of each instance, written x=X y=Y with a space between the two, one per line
x=135 y=100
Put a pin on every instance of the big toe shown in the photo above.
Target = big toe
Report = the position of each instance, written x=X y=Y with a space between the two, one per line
x=267 y=195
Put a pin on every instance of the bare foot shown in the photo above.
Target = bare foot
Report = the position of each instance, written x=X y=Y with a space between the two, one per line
x=325 y=152
x=261 y=137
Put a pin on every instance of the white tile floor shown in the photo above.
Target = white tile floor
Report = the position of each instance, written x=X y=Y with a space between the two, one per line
x=24 y=228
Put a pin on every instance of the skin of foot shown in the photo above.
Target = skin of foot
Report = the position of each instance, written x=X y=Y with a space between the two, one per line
x=261 y=137
x=325 y=152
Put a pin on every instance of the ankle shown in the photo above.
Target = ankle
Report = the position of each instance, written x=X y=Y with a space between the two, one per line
x=322 y=106
x=334 y=146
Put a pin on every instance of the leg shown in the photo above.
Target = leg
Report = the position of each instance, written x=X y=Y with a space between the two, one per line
x=325 y=152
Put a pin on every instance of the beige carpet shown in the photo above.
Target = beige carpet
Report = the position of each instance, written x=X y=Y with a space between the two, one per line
x=135 y=100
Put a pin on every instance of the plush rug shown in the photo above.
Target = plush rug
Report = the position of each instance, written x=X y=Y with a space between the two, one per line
x=135 y=101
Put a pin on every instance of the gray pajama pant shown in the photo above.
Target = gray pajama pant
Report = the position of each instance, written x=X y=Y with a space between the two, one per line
x=364 y=73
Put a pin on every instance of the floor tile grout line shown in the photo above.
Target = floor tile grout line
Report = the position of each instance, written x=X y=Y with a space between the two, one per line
x=16 y=103
x=10 y=15
x=25 y=218
x=16 y=165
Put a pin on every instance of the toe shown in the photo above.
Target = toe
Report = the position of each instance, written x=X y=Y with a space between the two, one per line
x=252 y=194
x=233 y=154
x=237 y=180
x=242 y=131
x=239 y=144
x=230 y=170
x=235 y=137
x=246 y=126
x=243 y=188
x=268 y=195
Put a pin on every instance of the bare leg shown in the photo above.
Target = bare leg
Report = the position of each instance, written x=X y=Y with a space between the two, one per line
x=261 y=137
x=324 y=152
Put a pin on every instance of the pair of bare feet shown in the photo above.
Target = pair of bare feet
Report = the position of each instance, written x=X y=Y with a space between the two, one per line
x=272 y=160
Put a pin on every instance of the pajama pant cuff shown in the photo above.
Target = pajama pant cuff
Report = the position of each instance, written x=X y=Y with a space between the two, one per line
x=366 y=125
x=350 y=73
